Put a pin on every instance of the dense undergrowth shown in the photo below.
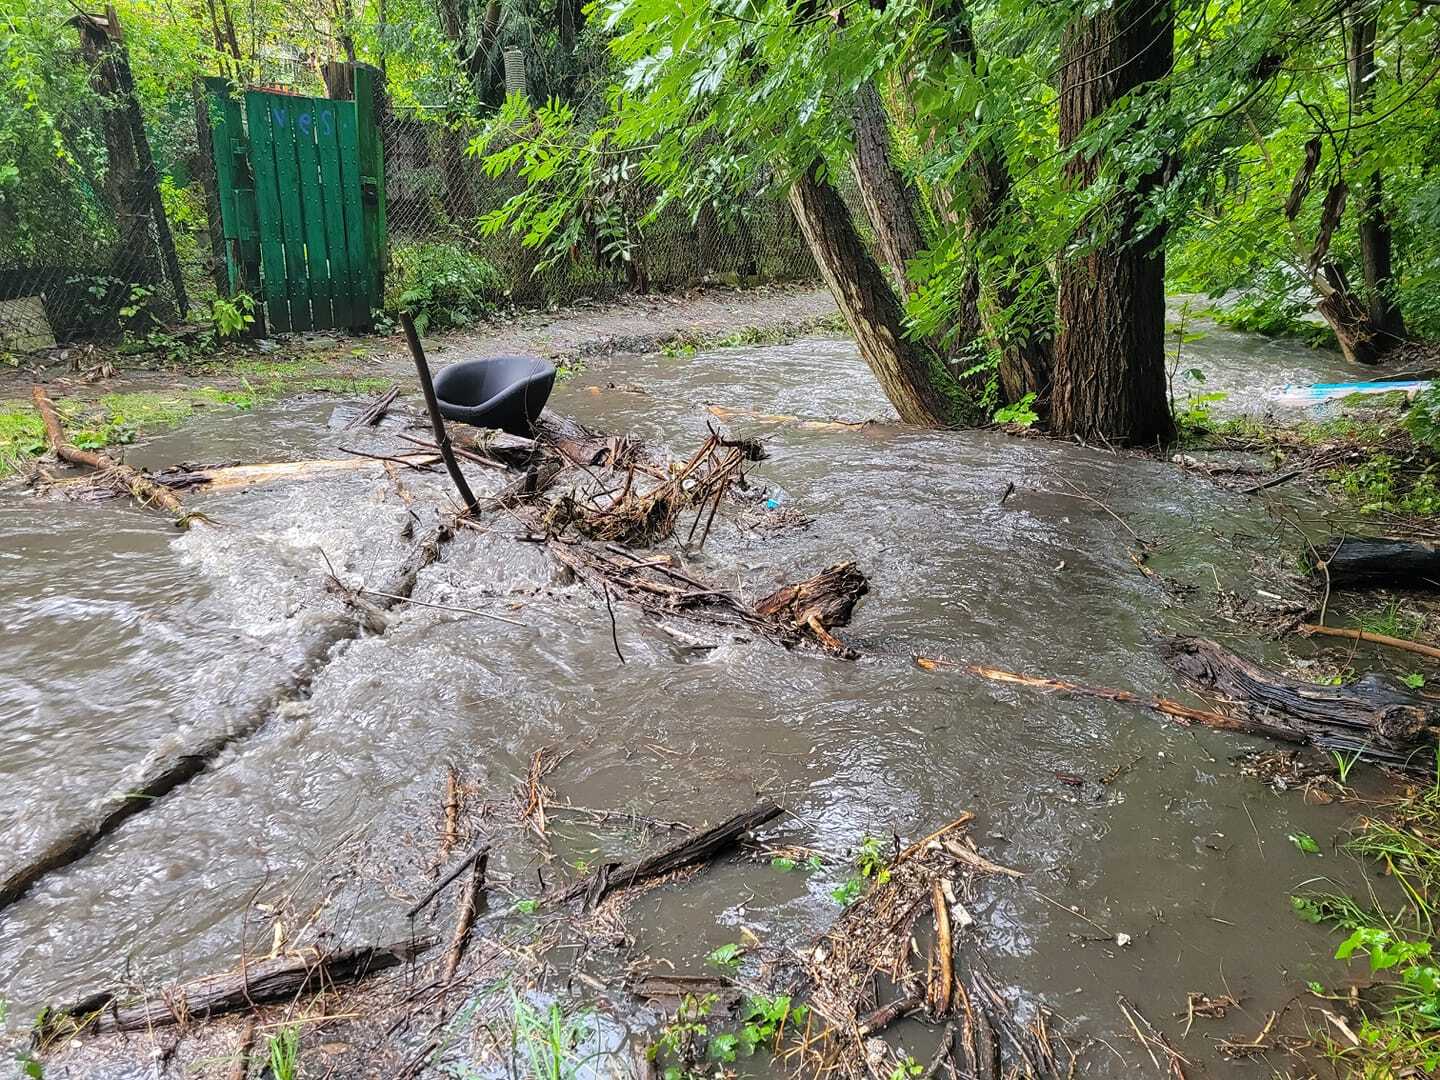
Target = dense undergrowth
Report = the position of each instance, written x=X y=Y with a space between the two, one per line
x=1399 y=1026
x=1380 y=455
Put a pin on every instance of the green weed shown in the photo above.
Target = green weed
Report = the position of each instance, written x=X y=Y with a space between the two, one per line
x=726 y=957
x=285 y=1053
x=550 y=1041
x=1393 y=620
x=442 y=286
x=871 y=862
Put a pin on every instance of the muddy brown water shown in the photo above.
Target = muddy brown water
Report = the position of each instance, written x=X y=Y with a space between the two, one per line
x=118 y=633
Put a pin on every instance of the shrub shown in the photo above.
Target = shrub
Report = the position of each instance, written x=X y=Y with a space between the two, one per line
x=442 y=285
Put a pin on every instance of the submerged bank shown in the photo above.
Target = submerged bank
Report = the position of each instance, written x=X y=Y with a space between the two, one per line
x=337 y=799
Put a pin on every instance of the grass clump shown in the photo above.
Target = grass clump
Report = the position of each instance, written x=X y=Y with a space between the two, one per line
x=1399 y=1028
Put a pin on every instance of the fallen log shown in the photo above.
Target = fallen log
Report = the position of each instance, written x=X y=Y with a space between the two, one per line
x=827 y=599
x=257 y=982
x=1363 y=563
x=698 y=848
x=1376 y=716
x=238 y=477
x=142 y=488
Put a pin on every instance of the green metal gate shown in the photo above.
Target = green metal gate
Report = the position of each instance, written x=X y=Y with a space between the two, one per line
x=300 y=188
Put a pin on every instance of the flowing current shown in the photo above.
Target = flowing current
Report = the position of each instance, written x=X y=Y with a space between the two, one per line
x=120 y=634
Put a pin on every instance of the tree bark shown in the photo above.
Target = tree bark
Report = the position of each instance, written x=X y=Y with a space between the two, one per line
x=905 y=369
x=1374 y=227
x=1109 y=378
x=1025 y=360
x=889 y=198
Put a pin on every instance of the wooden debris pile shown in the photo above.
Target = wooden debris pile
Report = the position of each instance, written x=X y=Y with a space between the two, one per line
x=804 y=612
x=622 y=506
x=862 y=976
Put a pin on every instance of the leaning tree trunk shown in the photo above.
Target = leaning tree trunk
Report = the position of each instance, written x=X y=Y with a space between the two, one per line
x=890 y=200
x=1374 y=229
x=905 y=369
x=1109 y=378
x=987 y=296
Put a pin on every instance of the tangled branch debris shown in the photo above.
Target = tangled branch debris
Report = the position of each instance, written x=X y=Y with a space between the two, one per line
x=867 y=972
x=142 y=488
x=804 y=611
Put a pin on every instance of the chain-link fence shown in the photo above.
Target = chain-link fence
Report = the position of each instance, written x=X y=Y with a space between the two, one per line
x=436 y=193
x=100 y=232
x=117 y=239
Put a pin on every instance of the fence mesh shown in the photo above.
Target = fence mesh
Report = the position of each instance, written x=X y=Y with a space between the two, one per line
x=436 y=193
x=122 y=248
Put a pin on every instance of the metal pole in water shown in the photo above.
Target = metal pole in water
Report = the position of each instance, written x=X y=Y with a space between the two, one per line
x=442 y=437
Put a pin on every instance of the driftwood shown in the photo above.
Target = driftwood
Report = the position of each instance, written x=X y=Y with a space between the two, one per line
x=697 y=848
x=141 y=487
x=442 y=435
x=236 y=477
x=817 y=603
x=722 y=412
x=1352 y=562
x=1366 y=635
x=376 y=410
x=167 y=769
x=1375 y=715
x=658 y=587
x=258 y=982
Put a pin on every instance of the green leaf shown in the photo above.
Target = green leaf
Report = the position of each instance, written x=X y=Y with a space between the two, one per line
x=1305 y=843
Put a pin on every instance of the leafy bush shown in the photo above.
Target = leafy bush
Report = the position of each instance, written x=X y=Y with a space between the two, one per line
x=1423 y=419
x=442 y=285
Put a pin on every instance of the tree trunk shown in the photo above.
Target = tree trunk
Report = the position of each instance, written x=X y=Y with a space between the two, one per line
x=1025 y=361
x=1109 y=378
x=1374 y=228
x=889 y=198
x=906 y=370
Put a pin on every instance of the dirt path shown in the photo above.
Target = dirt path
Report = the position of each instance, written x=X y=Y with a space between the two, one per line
x=637 y=324
x=115 y=399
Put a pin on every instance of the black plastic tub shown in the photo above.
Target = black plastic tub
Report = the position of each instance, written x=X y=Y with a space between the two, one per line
x=505 y=392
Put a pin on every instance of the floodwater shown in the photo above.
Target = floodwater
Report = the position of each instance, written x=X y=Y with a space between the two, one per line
x=118 y=633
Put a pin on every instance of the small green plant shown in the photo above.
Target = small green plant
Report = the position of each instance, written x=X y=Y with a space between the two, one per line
x=786 y=865
x=1020 y=413
x=764 y=1018
x=870 y=862
x=905 y=1068
x=233 y=316
x=550 y=1041
x=1344 y=763
x=527 y=907
x=285 y=1053
x=726 y=956
x=442 y=285
x=1304 y=843
x=1194 y=416
x=1414 y=680
x=682 y=1043
x=1392 y=620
